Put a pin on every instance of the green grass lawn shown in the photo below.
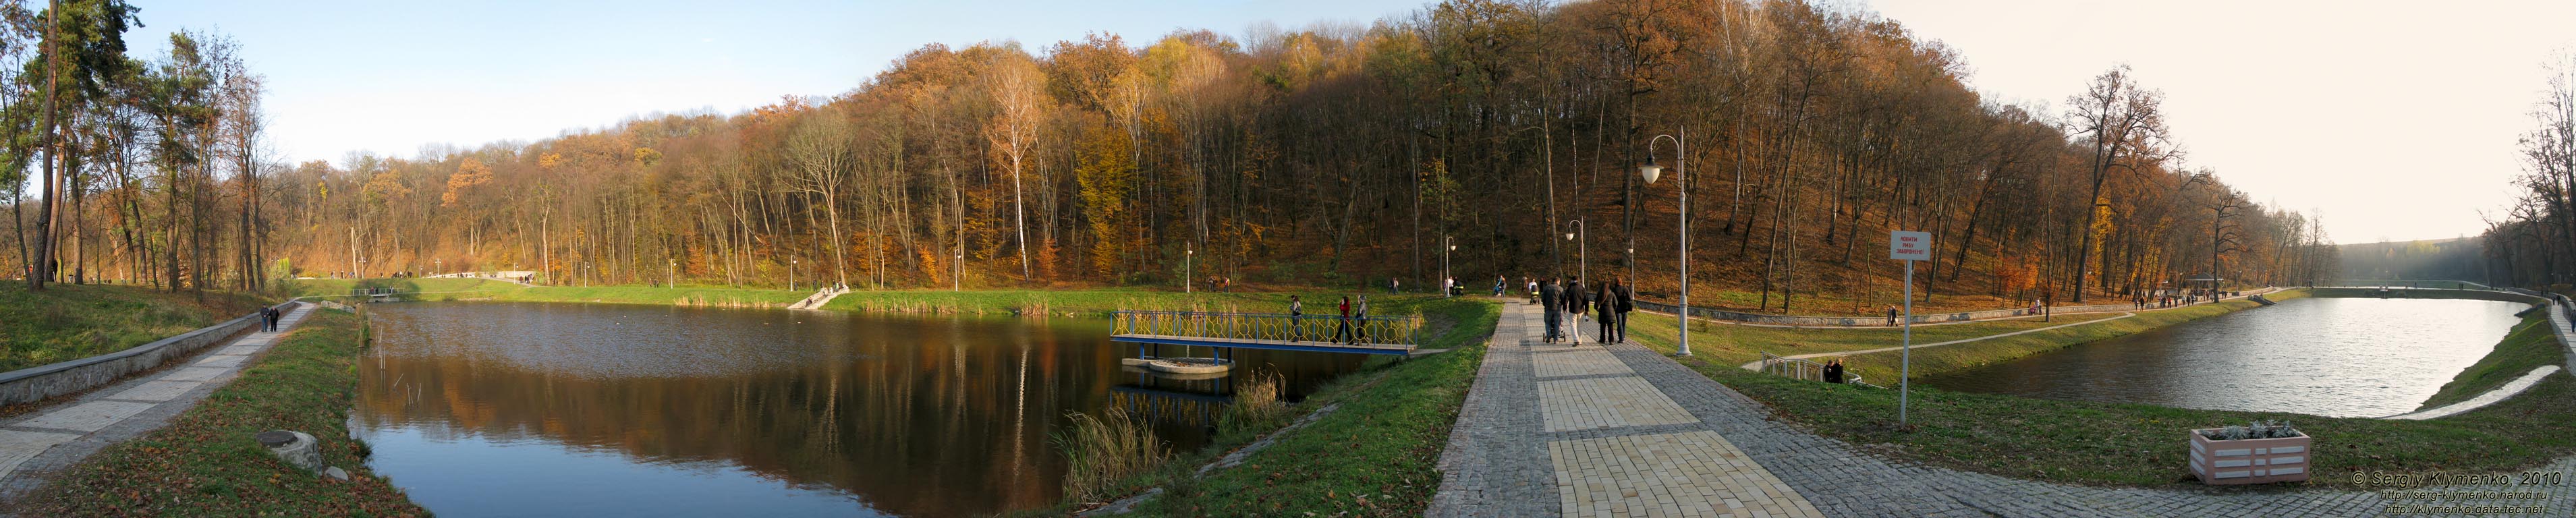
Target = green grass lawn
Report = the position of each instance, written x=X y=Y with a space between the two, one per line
x=1099 y=302
x=1744 y=344
x=205 y=463
x=2530 y=345
x=1374 y=456
x=2136 y=445
x=69 y=322
x=1884 y=365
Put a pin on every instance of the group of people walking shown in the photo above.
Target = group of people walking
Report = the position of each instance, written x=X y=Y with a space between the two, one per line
x=1353 y=327
x=268 y=318
x=1566 y=305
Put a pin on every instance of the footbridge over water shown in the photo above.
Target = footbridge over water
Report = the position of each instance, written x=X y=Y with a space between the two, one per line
x=1393 y=335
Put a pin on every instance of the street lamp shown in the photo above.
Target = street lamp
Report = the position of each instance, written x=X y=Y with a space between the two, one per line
x=1445 y=249
x=1681 y=159
x=1448 y=279
x=1189 y=271
x=672 y=279
x=791 y=275
x=1582 y=247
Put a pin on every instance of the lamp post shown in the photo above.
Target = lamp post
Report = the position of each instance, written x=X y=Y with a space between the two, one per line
x=1189 y=271
x=672 y=279
x=1583 y=273
x=1445 y=248
x=791 y=275
x=1681 y=161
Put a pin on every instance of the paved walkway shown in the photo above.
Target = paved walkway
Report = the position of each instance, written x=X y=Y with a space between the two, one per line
x=38 y=443
x=2496 y=395
x=1622 y=430
x=1552 y=429
x=819 y=298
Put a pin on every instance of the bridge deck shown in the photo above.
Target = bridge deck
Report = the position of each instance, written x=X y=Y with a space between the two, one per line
x=1274 y=345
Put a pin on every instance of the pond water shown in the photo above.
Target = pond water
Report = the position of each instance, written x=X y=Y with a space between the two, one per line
x=529 y=409
x=2336 y=357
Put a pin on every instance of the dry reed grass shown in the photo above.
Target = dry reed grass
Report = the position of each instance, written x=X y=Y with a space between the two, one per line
x=1257 y=404
x=1102 y=451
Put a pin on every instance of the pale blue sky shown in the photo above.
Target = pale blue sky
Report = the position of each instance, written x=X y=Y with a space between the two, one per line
x=390 y=77
x=2343 y=107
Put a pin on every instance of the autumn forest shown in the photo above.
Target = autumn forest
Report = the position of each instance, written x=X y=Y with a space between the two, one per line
x=1338 y=155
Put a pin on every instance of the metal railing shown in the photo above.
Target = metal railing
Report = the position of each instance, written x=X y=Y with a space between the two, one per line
x=1803 y=369
x=1396 y=331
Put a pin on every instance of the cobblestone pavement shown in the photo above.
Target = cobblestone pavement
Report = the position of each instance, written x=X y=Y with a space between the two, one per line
x=1552 y=429
x=1502 y=461
x=35 y=445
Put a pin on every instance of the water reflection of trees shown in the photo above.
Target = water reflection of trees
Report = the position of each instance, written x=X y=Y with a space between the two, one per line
x=918 y=417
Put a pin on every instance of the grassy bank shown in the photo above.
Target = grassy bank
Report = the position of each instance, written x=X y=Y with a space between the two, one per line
x=2531 y=344
x=67 y=322
x=205 y=463
x=1373 y=456
x=1097 y=302
x=1884 y=365
x=1744 y=344
x=2138 y=445
x=2419 y=293
x=492 y=290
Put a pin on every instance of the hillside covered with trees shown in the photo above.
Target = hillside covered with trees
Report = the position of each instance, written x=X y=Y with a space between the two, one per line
x=2440 y=259
x=1331 y=155
x=2533 y=243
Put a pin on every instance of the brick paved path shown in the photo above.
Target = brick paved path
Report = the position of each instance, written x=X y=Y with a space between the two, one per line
x=36 y=444
x=1556 y=430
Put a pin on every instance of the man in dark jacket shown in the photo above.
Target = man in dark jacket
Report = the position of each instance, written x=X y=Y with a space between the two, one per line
x=1550 y=300
x=1574 y=299
x=1607 y=307
x=1627 y=302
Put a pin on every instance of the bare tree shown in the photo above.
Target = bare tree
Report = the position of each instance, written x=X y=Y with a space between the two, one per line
x=2125 y=129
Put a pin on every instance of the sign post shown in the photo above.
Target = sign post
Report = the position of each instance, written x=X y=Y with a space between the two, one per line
x=1909 y=247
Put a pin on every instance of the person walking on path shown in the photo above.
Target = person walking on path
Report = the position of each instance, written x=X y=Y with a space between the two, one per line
x=1607 y=308
x=1550 y=302
x=1296 y=319
x=1575 y=313
x=1343 y=334
x=1360 y=315
x=1533 y=288
x=1891 y=315
x=1394 y=285
x=1627 y=302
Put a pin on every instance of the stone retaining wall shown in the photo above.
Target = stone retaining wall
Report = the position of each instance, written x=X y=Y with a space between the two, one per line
x=37 y=383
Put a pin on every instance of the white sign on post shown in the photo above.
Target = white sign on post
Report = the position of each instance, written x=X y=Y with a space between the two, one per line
x=1909 y=247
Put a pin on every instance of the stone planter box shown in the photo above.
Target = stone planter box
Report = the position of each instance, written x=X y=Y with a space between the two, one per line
x=2249 y=461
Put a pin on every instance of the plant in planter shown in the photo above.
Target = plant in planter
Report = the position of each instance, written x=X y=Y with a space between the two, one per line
x=2260 y=452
